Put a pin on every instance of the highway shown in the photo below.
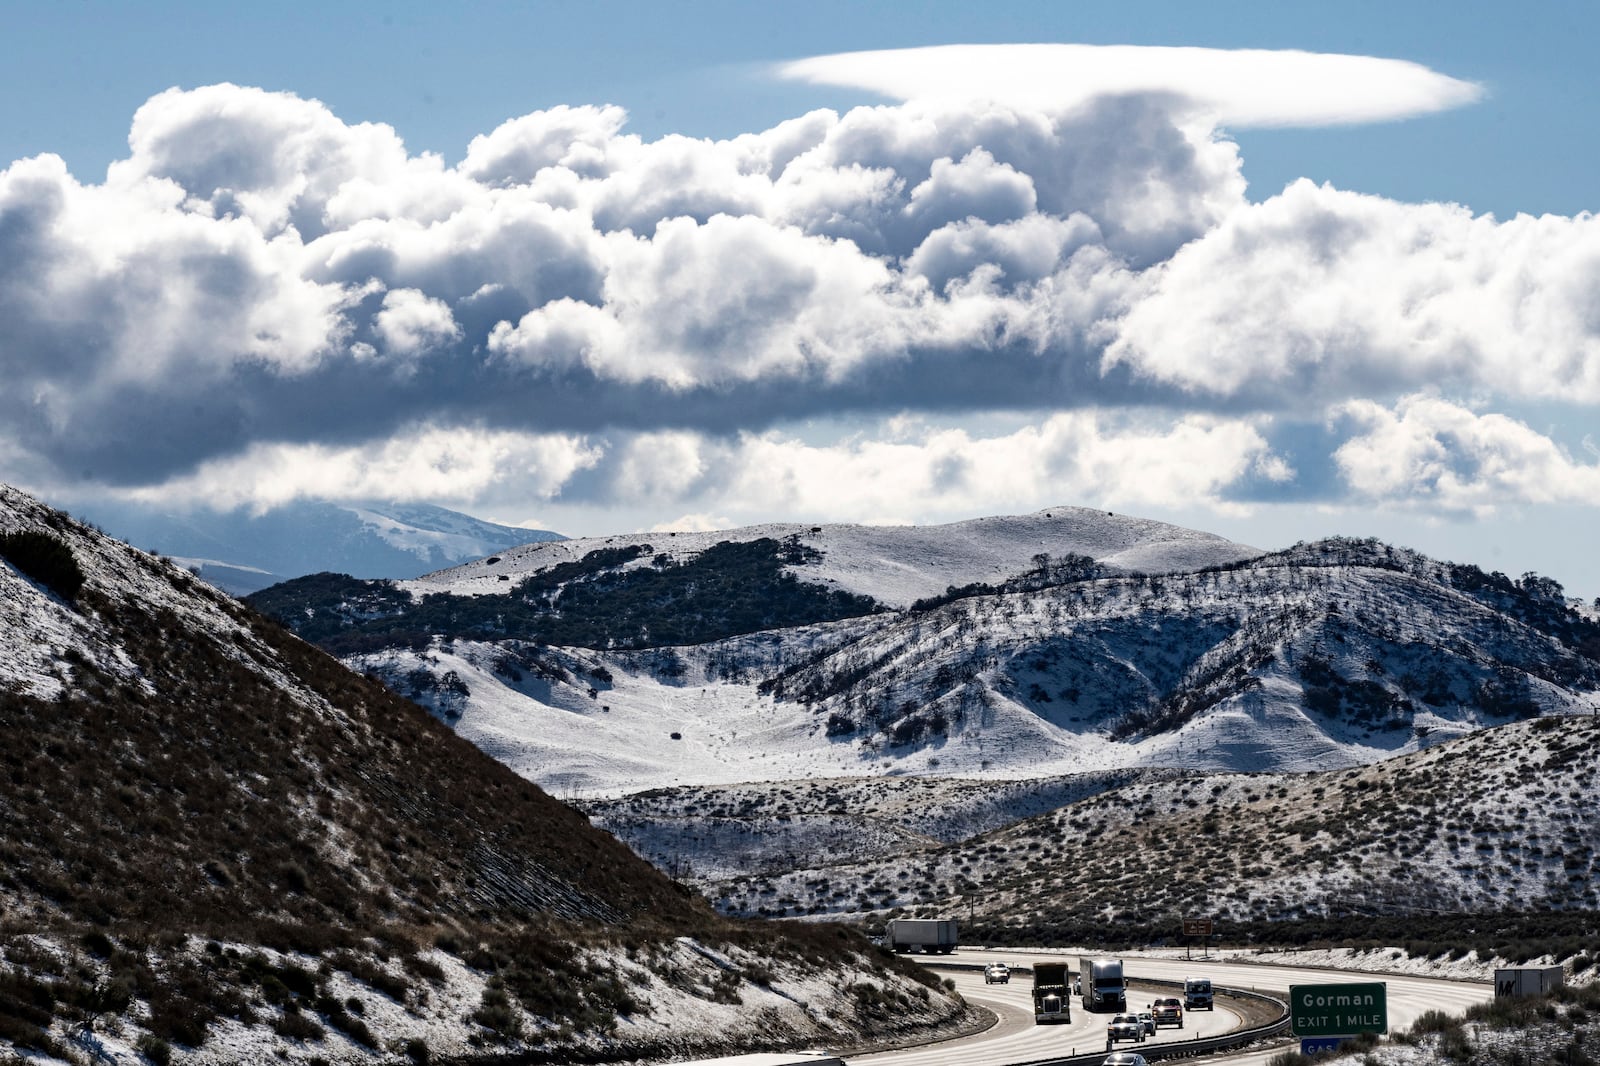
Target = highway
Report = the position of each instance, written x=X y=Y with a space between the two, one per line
x=1016 y=1039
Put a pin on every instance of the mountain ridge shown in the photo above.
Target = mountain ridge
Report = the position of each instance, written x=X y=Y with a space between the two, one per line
x=1334 y=653
x=894 y=565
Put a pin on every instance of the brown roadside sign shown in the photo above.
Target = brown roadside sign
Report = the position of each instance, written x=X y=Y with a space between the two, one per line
x=1197 y=927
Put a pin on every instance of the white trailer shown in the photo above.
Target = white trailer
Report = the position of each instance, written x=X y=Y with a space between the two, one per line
x=1528 y=980
x=928 y=935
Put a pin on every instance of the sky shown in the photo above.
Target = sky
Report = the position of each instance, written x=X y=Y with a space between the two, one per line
x=1272 y=271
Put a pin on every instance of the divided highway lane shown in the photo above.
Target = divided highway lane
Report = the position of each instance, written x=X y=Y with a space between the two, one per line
x=1017 y=1039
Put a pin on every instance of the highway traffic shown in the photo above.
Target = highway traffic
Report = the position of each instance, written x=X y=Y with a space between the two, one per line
x=1016 y=1039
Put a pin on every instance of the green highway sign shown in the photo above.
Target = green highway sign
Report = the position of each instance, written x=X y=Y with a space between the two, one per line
x=1339 y=1010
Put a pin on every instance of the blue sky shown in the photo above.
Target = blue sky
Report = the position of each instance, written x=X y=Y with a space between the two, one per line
x=443 y=73
x=592 y=323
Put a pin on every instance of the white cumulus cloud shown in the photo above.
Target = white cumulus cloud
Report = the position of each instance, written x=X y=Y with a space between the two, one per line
x=1319 y=293
x=1429 y=453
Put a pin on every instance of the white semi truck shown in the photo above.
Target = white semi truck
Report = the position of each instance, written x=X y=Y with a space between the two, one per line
x=1102 y=984
x=927 y=935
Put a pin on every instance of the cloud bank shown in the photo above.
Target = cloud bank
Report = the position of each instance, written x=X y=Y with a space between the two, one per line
x=263 y=301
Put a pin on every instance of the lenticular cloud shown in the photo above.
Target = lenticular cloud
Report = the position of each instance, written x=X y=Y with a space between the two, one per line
x=261 y=287
x=1230 y=87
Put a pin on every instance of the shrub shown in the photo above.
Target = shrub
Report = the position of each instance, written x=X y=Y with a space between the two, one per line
x=157 y=1050
x=97 y=944
x=294 y=1025
x=46 y=559
x=424 y=968
x=353 y=1027
x=1435 y=1021
x=497 y=1014
x=177 y=1017
x=25 y=1034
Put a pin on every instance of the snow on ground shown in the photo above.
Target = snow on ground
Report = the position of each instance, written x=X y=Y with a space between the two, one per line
x=895 y=565
x=1119 y=644
x=685 y=995
x=1384 y=960
x=41 y=635
x=642 y=728
x=638 y=732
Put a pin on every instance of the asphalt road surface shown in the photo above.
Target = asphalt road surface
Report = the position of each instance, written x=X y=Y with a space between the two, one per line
x=1017 y=1039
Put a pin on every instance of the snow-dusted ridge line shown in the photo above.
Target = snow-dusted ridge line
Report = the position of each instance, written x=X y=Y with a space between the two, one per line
x=895 y=565
x=41 y=635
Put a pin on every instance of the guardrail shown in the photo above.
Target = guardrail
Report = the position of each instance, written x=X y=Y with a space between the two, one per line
x=1179 y=1049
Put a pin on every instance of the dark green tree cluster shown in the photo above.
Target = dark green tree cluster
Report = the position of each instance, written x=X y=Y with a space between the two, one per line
x=600 y=601
x=320 y=606
x=1047 y=572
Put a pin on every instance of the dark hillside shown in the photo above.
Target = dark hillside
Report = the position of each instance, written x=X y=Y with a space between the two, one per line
x=273 y=810
x=208 y=826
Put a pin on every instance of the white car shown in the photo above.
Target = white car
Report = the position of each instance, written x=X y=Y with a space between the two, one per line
x=1125 y=1027
x=997 y=973
x=1124 y=1058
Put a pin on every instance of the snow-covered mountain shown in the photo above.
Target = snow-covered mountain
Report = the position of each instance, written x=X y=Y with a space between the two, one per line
x=242 y=550
x=994 y=717
x=1000 y=648
x=222 y=846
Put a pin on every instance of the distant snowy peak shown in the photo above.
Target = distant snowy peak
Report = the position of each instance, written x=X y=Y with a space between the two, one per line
x=242 y=551
x=436 y=535
x=897 y=565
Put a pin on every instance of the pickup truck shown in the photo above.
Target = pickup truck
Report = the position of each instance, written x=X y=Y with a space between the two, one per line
x=1168 y=1011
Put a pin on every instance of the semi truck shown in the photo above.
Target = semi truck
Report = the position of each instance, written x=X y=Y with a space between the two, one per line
x=927 y=935
x=1103 y=986
x=1197 y=993
x=1051 y=1001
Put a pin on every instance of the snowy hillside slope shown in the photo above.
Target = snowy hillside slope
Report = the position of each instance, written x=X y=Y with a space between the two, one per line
x=230 y=848
x=1323 y=655
x=1326 y=655
x=718 y=832
x=46 y=642
x=894 y=565
x=1501 y=820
